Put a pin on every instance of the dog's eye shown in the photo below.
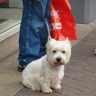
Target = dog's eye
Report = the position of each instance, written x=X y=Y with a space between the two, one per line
x=63 y=51
x=54 y=51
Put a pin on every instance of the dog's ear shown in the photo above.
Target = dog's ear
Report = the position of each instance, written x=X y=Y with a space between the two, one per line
x=50 y=41
x=66 y=40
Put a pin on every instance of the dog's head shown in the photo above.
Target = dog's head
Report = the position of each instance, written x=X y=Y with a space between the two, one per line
x=58 y=52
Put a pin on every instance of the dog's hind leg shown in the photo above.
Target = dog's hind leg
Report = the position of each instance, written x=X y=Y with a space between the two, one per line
x=30 y=85
x=26 y=83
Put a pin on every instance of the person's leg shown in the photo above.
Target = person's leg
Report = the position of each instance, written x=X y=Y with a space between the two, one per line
x=43 y=34
x=32 y=23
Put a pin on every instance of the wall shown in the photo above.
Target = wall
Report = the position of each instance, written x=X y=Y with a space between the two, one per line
x=84 y=11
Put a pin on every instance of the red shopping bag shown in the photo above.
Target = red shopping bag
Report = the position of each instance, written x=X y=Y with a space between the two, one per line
x=2 y=1
x=62 y=22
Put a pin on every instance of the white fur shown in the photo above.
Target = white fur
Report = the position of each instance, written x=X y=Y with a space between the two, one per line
x=48 y=71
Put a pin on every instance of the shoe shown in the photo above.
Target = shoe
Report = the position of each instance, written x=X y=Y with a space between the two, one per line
x=21 y=67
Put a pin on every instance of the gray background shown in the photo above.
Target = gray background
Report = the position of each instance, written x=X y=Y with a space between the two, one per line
x=84 y=11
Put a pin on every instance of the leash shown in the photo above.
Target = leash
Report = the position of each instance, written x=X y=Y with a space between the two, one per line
x=48 y=29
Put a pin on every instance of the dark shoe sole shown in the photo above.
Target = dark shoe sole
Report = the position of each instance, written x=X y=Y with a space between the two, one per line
x=21 y=68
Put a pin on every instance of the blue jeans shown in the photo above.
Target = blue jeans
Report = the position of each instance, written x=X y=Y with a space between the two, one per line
x=33 y=30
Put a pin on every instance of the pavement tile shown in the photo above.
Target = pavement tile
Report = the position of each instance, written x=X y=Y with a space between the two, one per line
x=83 y=28
x=10 y=79
x=81 y=34
x=93 y=24
x=9 y=67
x=13 y=57
x=28 y=92
x=9 y=90
x=74 y=42
x=1 y=51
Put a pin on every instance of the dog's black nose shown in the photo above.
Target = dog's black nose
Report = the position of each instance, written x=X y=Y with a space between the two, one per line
x=58 y=59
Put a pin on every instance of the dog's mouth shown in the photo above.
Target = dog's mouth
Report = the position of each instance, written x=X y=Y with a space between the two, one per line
x=58 y=63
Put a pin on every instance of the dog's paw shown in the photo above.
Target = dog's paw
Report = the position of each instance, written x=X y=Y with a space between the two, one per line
x=58 y=86
x=47 y=90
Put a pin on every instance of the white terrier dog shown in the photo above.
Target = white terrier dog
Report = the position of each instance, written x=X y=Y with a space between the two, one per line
x=48 y=71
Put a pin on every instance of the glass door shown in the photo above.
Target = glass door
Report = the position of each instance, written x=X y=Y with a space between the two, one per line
x=10 y=14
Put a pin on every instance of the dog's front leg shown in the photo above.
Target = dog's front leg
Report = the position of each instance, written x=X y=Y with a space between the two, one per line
x=56 y=84
x=45 y=86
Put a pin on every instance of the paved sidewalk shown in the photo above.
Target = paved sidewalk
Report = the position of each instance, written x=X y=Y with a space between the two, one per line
x=80 y=73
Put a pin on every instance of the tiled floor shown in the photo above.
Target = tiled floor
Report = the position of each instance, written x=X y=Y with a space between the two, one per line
x=80 y=74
